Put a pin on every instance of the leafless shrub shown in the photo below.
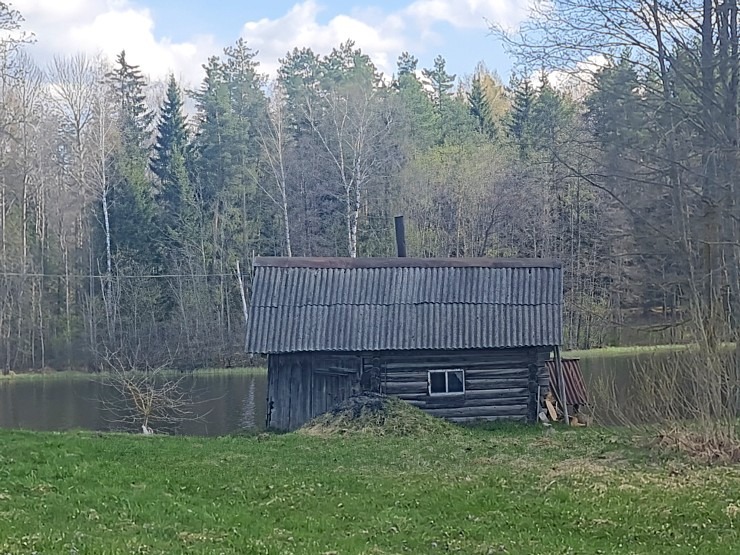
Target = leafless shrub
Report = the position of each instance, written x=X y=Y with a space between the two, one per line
x=146 y=397
x=686 y=400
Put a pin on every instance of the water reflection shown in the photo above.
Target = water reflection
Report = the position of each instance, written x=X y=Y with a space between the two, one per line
x=248 y=419
x=226 y=404
x=230 y=403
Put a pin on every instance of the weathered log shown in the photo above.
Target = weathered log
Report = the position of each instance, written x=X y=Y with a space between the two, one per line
x=475 y=384
x=475 y=419
x=445 y=402
x=491 y=394
x=467 y=412
x=405 y=388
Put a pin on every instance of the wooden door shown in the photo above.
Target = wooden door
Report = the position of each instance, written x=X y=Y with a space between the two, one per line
x=330 y=389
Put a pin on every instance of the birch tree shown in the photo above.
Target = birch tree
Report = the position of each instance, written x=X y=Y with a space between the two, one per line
x=275 y=141
x=83 y=108
x=349 y=128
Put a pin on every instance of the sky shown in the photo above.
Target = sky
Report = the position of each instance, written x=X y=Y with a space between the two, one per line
x=177 y=36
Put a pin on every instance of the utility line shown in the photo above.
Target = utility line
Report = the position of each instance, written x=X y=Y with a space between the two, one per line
x=113 y=276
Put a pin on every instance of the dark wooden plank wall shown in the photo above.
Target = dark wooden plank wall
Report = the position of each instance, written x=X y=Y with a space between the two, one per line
x=496 y=381
x=288 y=391
x=302 y=386
x=335 y=378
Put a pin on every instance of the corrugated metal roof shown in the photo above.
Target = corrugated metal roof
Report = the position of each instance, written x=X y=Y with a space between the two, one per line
x=353 y=305
x=575 y=387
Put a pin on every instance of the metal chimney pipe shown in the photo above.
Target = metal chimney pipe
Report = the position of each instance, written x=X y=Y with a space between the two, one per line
x=400 y=237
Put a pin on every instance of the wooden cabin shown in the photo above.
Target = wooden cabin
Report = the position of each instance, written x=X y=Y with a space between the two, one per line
x=463 y=339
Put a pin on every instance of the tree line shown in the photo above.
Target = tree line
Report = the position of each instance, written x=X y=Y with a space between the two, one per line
x=128 y=223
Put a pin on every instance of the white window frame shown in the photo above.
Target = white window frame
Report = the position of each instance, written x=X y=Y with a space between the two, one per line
x=447 y=392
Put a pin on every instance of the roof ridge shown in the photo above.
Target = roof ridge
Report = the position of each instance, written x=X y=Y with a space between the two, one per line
x=400 y=303
x=322 y=263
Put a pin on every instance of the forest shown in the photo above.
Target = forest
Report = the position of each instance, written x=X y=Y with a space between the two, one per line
x=130 y=209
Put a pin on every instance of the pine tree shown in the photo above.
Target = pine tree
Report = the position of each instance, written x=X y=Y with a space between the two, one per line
x=406 y=64
x=230 y=106
x=299 y=76
x=349 y=65
x=441 y=84
x=440 y=81
x=420 y=123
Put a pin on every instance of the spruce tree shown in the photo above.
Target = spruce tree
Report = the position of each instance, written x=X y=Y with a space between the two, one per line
x=132 y=202
x=128 y=86
x=230 y=106
x=550 y=113
x=521 y=113
x=480 y=109
x=175 y=199
x=171 y=133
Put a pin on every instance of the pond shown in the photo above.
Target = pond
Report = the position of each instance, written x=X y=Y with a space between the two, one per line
x=226 y=402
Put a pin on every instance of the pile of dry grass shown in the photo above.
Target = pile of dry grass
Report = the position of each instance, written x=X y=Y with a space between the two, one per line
x=709 y=448
x=375 y=415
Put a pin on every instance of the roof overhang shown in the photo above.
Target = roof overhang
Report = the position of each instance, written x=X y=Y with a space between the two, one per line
x=350 y=263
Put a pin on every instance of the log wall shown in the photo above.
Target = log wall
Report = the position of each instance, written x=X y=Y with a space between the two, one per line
x=497 y=382
x=302 y=386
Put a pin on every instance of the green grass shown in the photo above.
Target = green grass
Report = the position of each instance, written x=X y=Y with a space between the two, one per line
x=503 y=490
x=634 y=350
x=248 y=370
x=38 y=376
x=624 y=351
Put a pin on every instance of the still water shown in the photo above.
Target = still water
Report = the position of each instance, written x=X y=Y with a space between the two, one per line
x=226 y=403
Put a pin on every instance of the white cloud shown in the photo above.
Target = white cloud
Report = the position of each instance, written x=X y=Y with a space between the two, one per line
x=578 y=82
x=382 y=35
x=107 y=27
x=378 y=35
x=466 y=14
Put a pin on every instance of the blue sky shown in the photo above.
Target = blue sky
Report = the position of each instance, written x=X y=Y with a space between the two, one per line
x=177 y=36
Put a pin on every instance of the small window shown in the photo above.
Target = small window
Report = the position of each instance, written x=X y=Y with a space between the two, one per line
x=446 y=382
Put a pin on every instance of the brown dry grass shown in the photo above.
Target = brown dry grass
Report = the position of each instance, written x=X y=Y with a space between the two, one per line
x=687 y=403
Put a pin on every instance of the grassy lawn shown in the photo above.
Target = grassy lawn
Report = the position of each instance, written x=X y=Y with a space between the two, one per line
x=507 y=490
x=625 y=351
x=634 y=350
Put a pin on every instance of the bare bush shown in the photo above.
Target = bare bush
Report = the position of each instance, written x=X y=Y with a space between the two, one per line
x=143 y=398
x=685 y=399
